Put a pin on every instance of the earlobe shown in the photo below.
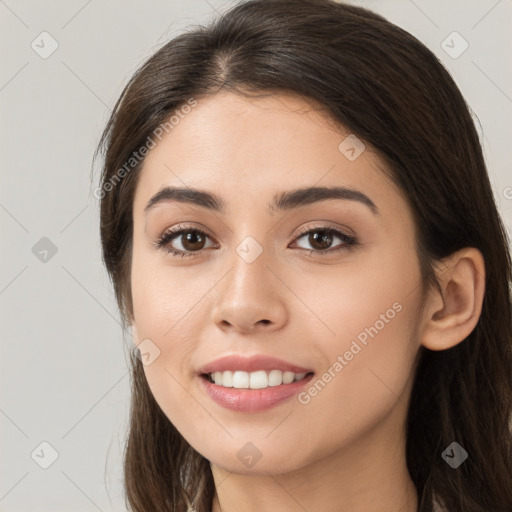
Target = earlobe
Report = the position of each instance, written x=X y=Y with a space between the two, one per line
x=453 y=312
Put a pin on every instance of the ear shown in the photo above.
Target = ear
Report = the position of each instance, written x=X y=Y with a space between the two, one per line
x=452 y=313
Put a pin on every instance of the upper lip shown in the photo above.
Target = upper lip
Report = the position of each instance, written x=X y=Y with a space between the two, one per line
x=251 y=364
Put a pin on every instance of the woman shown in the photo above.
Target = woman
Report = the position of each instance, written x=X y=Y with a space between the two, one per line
x=301 y=233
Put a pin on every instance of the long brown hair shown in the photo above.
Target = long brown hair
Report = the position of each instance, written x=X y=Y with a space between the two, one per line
x=391 y=91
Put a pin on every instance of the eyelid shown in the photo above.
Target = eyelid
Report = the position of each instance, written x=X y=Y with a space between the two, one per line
x=327 y=227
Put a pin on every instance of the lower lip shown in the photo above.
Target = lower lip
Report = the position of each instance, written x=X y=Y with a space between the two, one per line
x=252 y=400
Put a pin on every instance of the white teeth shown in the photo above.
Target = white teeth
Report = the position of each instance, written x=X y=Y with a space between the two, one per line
x=227 y=379
x=275 y=378
x=288 y=377
x=254 y=380
x=240 y=380
x=258 y=380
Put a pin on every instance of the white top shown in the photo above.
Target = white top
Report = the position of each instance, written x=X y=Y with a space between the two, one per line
x=437 y=505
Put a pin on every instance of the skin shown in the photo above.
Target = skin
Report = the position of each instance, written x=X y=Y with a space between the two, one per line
x=344 y=450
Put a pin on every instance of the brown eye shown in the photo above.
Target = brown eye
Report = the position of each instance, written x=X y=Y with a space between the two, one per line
x=182 y=241
x=322 y=238
x=192 y=240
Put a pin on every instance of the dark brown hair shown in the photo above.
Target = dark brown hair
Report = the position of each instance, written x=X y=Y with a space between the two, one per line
x=386 y=87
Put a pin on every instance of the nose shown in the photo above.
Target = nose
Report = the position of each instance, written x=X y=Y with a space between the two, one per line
x=250 y=298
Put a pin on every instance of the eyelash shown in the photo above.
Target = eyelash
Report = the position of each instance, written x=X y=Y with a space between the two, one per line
x=162 y=242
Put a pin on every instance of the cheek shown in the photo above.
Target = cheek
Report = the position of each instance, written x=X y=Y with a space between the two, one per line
x=368 y=375
x=171 y=321
x=166 y=300
x=367 y=338
x=171 y=308
x=371 y=358
x=372 y=296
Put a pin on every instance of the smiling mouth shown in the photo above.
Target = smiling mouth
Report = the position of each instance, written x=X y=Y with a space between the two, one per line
x=260 y=379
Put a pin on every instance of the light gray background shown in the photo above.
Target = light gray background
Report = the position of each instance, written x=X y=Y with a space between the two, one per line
x=64 y=376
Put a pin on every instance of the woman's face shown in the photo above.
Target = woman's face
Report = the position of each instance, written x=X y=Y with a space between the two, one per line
x=252 y=288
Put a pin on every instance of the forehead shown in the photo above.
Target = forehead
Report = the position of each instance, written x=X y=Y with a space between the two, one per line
x=247 y=149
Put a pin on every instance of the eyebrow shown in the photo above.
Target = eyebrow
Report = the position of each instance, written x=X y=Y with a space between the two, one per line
x=282 y=201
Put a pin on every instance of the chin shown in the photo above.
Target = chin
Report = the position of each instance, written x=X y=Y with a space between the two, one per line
x=275 y=464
